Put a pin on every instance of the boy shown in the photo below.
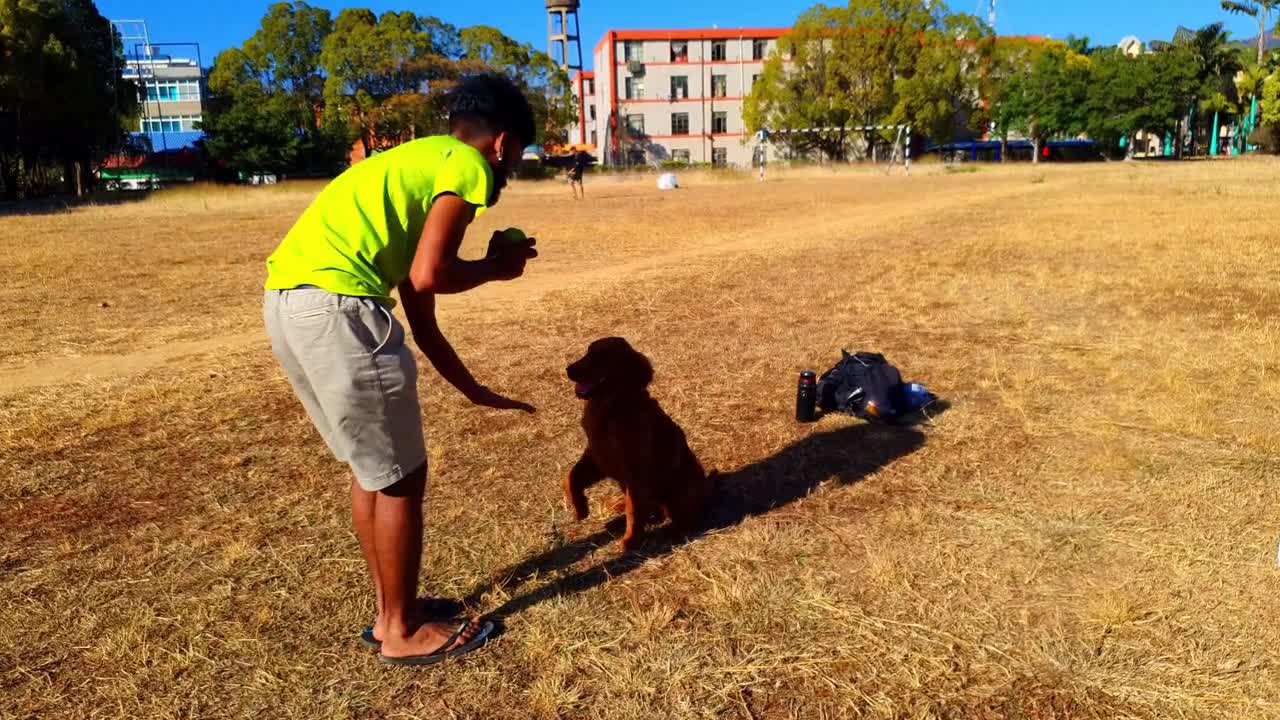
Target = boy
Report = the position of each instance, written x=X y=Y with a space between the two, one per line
x=580 y=162
x=396 y=220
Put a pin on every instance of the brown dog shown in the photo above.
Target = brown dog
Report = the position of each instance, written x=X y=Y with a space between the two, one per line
x=631 y=439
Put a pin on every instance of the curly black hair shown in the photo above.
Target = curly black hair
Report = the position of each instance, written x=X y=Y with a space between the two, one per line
x=494 y=102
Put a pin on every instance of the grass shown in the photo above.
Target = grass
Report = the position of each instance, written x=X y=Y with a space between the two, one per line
x=1088 y=532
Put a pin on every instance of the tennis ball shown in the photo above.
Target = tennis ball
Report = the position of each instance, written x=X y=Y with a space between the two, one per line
x=514 y=235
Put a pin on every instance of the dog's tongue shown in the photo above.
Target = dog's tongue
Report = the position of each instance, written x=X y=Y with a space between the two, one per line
x=582 y=389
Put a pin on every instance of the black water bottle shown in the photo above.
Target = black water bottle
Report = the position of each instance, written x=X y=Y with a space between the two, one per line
x=807 y=397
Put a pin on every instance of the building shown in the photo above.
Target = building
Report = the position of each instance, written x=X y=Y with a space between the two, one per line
x=671 y=95
x=171 y=94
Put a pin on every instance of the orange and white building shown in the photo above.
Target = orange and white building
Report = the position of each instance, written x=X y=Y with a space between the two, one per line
x=671 y=95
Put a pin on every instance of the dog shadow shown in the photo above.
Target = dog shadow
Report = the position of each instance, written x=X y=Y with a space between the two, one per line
x=842 y=456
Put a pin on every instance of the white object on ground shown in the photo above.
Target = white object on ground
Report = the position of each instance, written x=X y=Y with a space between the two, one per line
x=667 y=181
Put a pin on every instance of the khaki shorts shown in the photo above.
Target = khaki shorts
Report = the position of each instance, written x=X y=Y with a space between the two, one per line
x=348 y=362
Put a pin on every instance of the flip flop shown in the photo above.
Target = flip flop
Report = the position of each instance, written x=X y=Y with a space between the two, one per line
x=439 y=654
x=434 y=608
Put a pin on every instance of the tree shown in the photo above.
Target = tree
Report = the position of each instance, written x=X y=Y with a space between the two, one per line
x=1006 y=59
x=53 y=52
x=1147 y=93
x=1259 y=10
x=267 y=97
x=943 y=91
x=369 y=61
x=871 y=62
x=1216 y=66
x=1170 y=83
x=249 y=127
x=1048 y=99
x=545 y=83
x=1117 y=91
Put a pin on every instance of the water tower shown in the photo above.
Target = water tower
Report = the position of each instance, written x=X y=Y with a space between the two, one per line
x=563 y=43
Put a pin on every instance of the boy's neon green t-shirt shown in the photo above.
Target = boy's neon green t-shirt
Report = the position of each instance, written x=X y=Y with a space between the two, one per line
x=359 y=235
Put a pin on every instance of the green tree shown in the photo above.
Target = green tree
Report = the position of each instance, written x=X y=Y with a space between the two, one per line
x=1006 y=59
x=250 y=127
x=52 y=52
x=1116 y=93
x=267 y=97
x=1145 y=93
x=1171 y=84
x=1269 y=112
x=1048 y=99
x=545 y=83
x=1216 y=66
x=942 y=93
x=861 y=64
x=374 y=64
x=1259 y=10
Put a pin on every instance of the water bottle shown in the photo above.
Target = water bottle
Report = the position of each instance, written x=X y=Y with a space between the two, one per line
x=915 y=396
x=807 y=397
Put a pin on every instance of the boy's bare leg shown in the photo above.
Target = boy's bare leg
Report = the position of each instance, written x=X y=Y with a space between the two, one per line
x=397 y=540
x=363 y=503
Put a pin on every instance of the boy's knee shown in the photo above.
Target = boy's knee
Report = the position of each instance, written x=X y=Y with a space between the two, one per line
x=411 y=485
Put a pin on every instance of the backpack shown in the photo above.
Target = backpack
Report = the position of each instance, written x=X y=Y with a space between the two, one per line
x=864 y=385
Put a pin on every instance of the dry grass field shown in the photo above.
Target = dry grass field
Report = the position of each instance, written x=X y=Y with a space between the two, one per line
x=1089 y=531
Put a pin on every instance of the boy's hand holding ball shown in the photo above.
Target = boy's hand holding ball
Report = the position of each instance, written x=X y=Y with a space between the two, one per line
x=509 y=250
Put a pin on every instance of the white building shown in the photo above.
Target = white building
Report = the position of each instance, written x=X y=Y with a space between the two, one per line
x=671 y=95
x=171 y=94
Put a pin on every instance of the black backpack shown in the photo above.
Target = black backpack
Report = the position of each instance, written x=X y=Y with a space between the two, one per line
x=862 y=384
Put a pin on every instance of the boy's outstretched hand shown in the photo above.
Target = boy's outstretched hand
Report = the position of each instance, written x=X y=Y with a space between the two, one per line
x=508 y=252
x=485 y=397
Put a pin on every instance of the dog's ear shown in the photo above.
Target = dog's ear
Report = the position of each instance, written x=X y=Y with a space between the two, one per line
x=640 y=370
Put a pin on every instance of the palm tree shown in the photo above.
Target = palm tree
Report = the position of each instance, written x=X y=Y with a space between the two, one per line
x=1260 y=10
x=1217 y=64
x=1249 y=83
x=1249 y=89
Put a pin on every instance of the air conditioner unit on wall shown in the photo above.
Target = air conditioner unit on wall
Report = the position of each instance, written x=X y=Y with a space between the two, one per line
x=635 y=67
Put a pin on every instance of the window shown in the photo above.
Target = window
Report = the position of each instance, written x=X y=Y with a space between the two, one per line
x=635 y=124
x=679 y=87
x=759 y=48
x=718 y=51
x=594 y=136
x=592 y=112
x=719 y=123
x=681 y=156
x=173 y=90
x=633 y=51
x=719 y=85
x=679 y=123
x=719 y=156
x=755 y=79
x=635 y=88
x=679 y=51
x=170 y=124
x=589 y=86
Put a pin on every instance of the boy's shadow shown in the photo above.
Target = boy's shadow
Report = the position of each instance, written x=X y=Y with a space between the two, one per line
x=845 y=455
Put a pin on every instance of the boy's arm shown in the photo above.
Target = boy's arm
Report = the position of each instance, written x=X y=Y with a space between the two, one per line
x=420 y=310
x=436 y=268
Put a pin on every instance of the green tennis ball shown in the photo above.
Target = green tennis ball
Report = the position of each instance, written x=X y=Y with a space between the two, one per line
x=514 y=235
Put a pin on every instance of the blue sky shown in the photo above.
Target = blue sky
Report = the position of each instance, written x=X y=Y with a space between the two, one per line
x=219 y=24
